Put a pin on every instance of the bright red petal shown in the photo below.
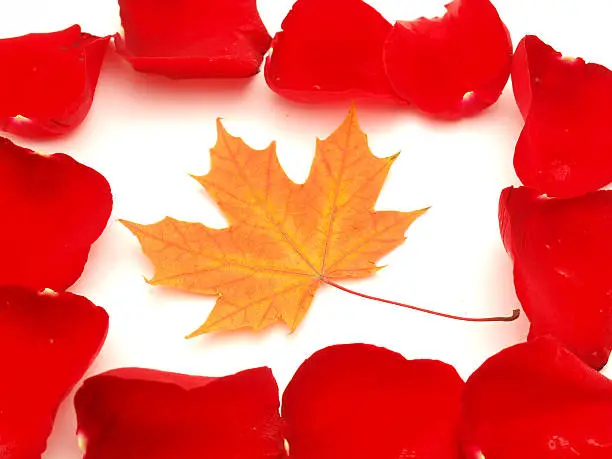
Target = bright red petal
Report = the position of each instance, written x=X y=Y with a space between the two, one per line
x=329 y=50
x=47 y=342
x=565 y=148
x=452 y=66
x=362 y=402
x=48 y=81
x=133 y=413
x=533 y=59
x=193 y=38
x=536 y=401
x=562 y=271
x=53 y=209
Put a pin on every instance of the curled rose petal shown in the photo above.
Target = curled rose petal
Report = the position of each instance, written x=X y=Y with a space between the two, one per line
x=452 y=66
x=57 y=208
x=47 y=342
x=133 y=413
x=48 y=81
x=565 y=148
x=562 y=272
x=362 y=402
x=329 y=50
x=193 y=38
x=536 y=401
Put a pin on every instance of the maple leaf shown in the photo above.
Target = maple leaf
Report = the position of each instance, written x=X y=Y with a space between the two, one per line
x=284 y=239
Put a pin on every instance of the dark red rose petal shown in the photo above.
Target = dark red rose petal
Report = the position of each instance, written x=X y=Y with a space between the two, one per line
x=562 y=270
x=452 y=66
x=47 y=342
x=565 y=148
x=53 y=208
x=329 y=50
x=48 y=81
x=363 y=402
x=193 y=38
x=133 y=413
x=536 y=401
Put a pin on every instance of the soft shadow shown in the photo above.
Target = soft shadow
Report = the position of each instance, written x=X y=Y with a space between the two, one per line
x=370 y=106
x=241 y=336
x=116 y=69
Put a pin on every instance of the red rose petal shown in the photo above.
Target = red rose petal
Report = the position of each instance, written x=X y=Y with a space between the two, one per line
x=134 y=413
x=193 y=38
x=565 y=148
x=47 y=342
x=532 y=60
x=536 y=401
x=48 y=81
x=562 y=271
x=452 y=66
x=363 y=402
x=54 y=208
x=329 y=50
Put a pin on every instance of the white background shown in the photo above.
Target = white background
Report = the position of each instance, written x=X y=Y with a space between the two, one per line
x=147 y=133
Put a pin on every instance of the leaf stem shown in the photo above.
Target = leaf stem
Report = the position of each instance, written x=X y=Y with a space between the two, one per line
x=515 y=313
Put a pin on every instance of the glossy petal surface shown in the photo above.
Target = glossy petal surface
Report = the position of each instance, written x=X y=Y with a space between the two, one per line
x=47 y=342
x=48 y=81
x=133 y=413
x=562 y=271
x=565 y=148
x=452 y=66
x=193 y=38
x=53 y=209
x=537 y=401
x=361 y=402
x=329 y=50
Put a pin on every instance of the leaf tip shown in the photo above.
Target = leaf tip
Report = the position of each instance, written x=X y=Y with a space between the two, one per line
x=293 y=325
x=352 y=114
x=193 y=334
x=221 y=131
x=129 y=225
x=198 y=178
x=206 y=327
x=202 y=330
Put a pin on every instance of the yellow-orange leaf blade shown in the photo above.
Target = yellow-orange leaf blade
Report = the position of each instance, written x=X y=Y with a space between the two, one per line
x=284 y=239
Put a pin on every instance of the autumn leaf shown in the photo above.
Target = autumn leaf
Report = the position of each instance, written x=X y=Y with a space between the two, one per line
x=284 y=239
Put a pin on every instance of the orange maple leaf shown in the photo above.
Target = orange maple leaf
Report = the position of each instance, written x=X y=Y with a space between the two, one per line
x=284 y=240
